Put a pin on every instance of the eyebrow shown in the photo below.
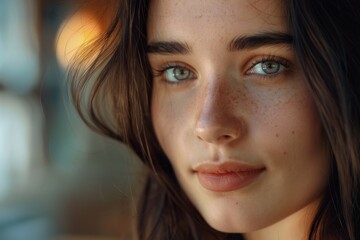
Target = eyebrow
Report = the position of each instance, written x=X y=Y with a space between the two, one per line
x=171 y=47
x=237 y=44
x=258 y=40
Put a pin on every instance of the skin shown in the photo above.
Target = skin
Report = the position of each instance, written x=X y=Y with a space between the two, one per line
x=228 y=111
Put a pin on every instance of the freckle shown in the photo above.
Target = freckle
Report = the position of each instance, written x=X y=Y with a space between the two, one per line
x=285 y=153
x=237 y=203
x=233 y=98
x=293 y=132
x=277 y=135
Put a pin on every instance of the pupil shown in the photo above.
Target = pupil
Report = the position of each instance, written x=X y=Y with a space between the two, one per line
x=181 y=73
x=270 y=67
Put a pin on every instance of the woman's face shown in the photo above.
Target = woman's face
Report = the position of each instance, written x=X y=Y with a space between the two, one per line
x=232 y=112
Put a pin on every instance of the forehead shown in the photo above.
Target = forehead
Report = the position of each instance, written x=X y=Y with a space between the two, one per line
x=183 y=19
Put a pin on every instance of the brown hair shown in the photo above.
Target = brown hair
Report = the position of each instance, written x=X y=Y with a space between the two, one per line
x=113 y=92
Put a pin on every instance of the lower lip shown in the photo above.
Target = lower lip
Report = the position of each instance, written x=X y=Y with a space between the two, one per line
x=226 y=182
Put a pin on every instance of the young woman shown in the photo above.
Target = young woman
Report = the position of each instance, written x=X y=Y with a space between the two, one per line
x=246 y=113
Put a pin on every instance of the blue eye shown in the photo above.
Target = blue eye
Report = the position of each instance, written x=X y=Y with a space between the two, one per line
x=267 y=67
x=177 y=74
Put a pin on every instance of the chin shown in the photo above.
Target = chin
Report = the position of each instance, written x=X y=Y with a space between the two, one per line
x=225 y=228
x=232 y=224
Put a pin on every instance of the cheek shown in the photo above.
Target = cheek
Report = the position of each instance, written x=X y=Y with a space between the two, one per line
x=292 y=141
x=295 y=125
x=170 y=117
x=286 y=118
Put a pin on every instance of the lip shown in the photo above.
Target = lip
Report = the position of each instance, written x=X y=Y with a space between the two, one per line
x=227 y=176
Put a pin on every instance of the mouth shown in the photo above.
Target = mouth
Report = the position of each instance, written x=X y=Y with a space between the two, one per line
x=227 y=176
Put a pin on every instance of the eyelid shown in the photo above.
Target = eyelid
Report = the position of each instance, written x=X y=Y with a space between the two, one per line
x=163 y=67
x=268 y=58
x=160 y=71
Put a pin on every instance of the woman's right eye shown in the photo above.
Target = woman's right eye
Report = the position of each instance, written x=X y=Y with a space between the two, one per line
x=176 y=74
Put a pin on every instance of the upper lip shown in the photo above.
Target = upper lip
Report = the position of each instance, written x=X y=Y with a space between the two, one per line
x=225 y=167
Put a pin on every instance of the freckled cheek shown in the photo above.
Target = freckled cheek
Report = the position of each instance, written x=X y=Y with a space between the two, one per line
x=170 y=115
x=259 y=104
x=292 y=126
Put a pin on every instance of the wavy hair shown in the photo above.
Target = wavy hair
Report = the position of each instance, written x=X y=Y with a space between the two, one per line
x=111 y=87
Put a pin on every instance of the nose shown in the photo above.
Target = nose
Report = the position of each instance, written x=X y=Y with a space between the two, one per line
x=218 y=120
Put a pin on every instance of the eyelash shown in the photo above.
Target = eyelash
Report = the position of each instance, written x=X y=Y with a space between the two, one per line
x=163 y=69
x=167 y=66
x=286 y=64
x=270 y=58
x=160 y=71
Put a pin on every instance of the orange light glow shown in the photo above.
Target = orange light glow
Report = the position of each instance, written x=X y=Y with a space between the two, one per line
x=74 y=34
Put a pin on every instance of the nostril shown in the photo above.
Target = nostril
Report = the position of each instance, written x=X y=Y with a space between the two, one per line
x=225 y=137
x=220 y=138
x=217 y=135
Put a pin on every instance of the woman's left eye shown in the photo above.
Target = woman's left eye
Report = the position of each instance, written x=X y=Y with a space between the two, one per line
x=268 y=67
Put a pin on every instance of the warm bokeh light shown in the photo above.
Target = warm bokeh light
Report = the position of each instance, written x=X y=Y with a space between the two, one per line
x=75 y=33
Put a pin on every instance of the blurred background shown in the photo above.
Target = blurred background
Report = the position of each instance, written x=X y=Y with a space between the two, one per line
x=58 y=179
